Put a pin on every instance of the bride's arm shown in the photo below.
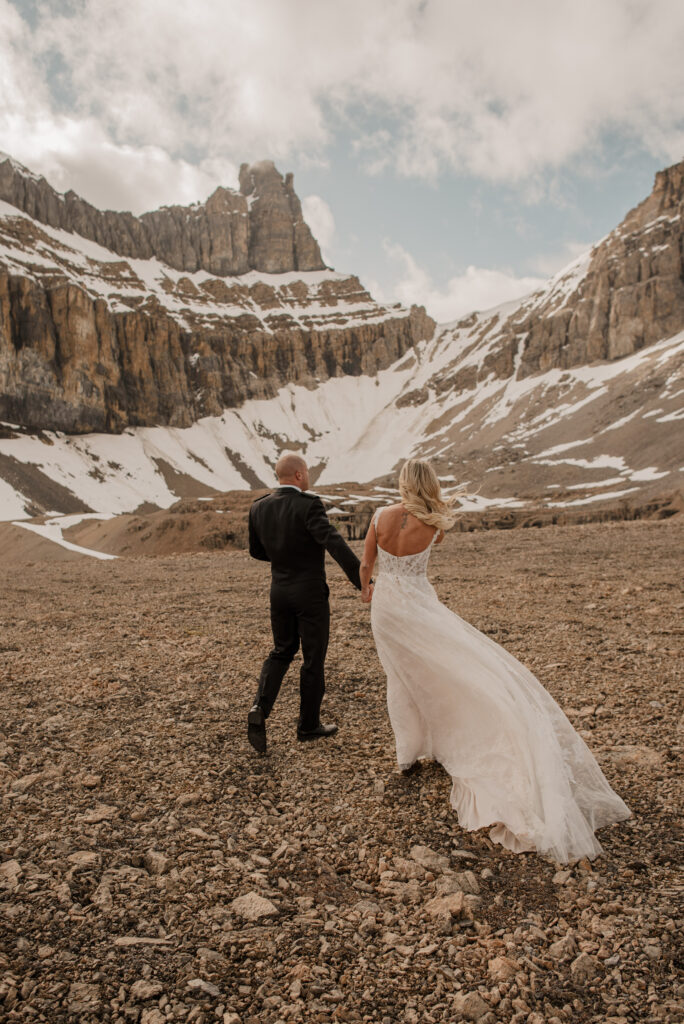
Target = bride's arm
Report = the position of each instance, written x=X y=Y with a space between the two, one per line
x=370 y=553
x=440 y=536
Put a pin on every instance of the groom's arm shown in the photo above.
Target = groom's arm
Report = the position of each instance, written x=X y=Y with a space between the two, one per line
x=325 y=534
x=256 y=548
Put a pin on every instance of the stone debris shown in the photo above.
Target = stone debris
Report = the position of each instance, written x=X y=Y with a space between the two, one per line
x=102 y=812
x=252 y=907
x=224 y=887
x=10 y=873
x=502 y=968
x=84 y=998
x=156 y=863
x=145 y=989
x=430 y=860
x=470 y=1006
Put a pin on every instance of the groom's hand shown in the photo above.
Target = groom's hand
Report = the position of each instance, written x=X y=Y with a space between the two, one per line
x=367 y=594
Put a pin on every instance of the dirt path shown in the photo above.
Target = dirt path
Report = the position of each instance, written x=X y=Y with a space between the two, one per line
x=134 y=813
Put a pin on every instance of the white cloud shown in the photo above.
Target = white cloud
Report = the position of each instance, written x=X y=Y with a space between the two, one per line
x=479 y=288
x=504 y=91
x=551 y=262
x=320 y=219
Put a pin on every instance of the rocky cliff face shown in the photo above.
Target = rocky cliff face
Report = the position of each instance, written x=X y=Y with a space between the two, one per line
x=626 y=294
x=258 y=228
x=90 y=341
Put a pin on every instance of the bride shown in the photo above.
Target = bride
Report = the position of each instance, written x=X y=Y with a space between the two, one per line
x=456 y=696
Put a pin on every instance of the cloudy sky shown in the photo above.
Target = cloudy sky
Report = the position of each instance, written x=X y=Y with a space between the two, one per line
x=451 y=153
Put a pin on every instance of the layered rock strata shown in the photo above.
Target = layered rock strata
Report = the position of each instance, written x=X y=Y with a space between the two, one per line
x=93 y=342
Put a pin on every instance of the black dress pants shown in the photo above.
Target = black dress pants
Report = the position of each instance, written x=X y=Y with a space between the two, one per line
x=300 y=612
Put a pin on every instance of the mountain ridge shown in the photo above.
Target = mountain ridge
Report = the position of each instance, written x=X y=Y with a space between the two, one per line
x=92 y=341
x=260 y=227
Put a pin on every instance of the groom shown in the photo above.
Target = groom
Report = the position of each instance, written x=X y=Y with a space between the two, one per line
x=289 y=529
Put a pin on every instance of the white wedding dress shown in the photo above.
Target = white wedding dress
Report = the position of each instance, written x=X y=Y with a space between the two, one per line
x=456 y=696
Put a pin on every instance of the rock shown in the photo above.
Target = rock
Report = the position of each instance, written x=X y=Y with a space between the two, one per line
x=102 y=812
x=407 y=869
x=84 y=998
x=54 y=722
x=26 y=782
x=566 y=946
x=10 y=873
x=584 y=968
x=200 y=985
x=152 y=1016
x=84 y=860
x=471 y=903
x=140 y=940
x=279 y=238
x=102 y=897
x=470 y=1006
x=144 y=989
x=642 y=757
x=156 y=863
x=503 y=968
x=188 y=799
x=430 y=860
x=90 y=781
x=451 y=905
x=63 y=893
x=468 y=882
x=561 y=877
x=252 y=907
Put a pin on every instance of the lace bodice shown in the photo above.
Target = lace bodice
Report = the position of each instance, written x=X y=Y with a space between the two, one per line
x=412 y=566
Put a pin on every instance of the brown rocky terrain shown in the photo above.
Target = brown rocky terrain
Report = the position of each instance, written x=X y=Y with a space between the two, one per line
x=153 y=868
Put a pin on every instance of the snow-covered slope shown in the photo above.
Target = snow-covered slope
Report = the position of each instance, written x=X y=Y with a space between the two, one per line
x=562 y=437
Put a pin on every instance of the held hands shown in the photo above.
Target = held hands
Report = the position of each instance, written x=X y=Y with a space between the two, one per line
x=367 y=594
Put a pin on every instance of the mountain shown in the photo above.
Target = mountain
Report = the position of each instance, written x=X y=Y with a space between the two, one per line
x=109 y=321
x=569 y=397
x=258 y=228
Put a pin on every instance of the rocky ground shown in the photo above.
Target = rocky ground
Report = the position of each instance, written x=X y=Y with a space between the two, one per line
x=154 y=868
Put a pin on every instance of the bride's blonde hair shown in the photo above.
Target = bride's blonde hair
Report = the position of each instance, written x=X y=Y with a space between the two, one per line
x=421 y=495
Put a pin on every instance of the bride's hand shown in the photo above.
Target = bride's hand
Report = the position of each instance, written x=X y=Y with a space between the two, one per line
x=367 y=594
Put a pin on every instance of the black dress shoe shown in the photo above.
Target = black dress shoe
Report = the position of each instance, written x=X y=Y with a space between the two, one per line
x=317 y=732
x=256 y=729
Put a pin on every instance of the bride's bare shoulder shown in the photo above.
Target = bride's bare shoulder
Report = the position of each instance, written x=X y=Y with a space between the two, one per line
x=389 y=510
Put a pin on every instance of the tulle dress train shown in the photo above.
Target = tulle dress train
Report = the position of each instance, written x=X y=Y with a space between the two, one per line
x=455 y=696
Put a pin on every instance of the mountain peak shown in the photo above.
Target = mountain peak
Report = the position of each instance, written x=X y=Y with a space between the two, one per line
x=228 y=234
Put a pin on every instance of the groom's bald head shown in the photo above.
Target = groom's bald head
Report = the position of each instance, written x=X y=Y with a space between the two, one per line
x=292 y=469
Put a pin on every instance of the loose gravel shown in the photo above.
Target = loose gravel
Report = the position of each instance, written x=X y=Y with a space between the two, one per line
x=154 y=868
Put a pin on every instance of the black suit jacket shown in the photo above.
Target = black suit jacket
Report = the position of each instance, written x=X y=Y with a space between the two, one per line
x=291 y=530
